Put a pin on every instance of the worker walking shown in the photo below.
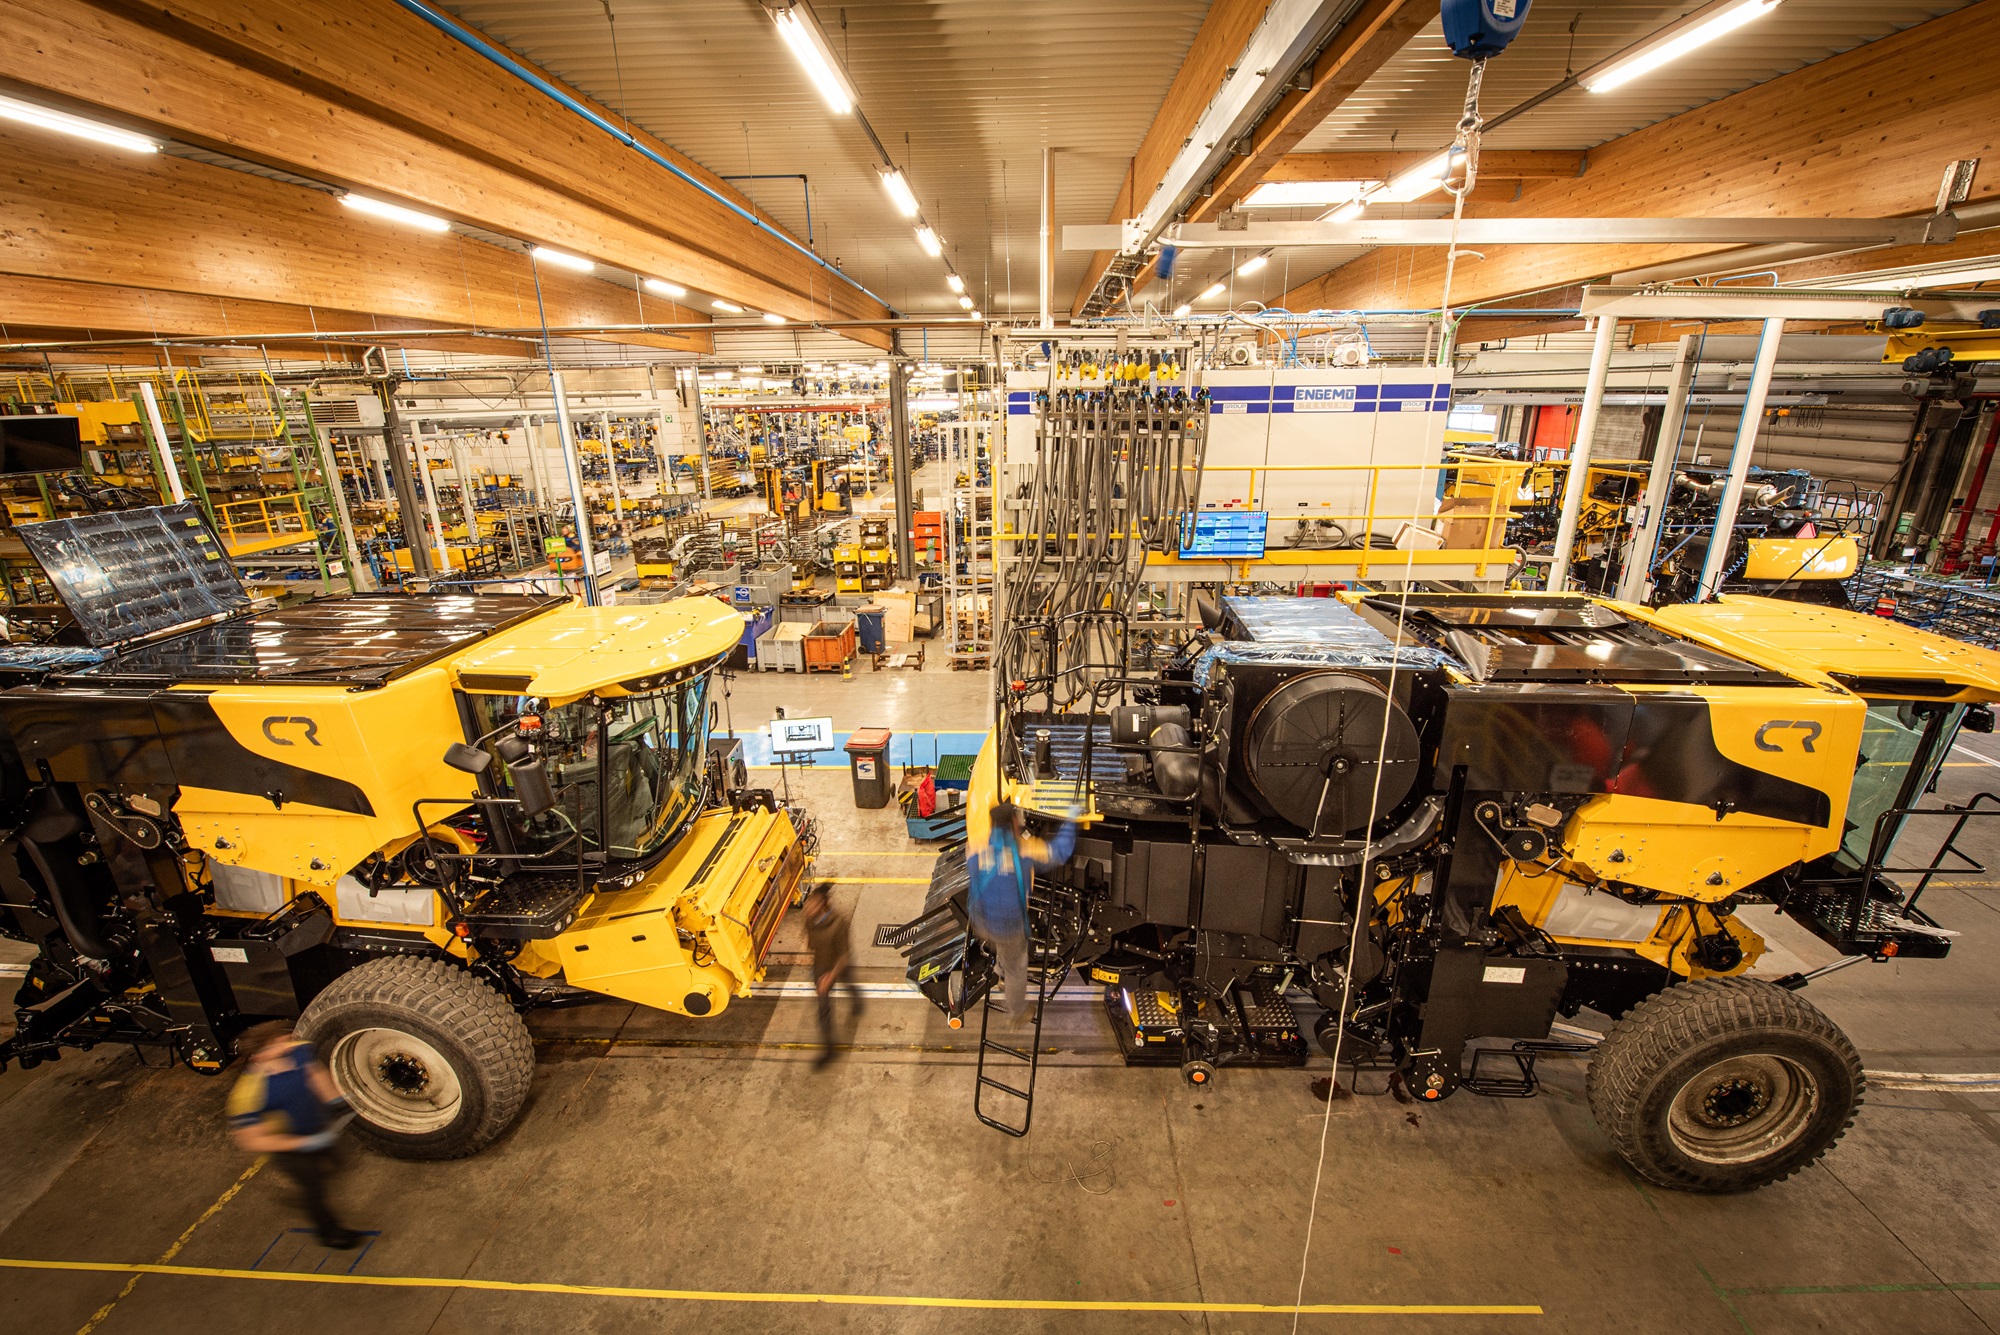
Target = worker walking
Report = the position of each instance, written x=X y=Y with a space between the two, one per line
x=830 y=932
x=285 y=1105
x=1001 y=870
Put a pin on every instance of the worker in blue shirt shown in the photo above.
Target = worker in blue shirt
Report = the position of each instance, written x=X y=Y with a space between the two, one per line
x=1001 y=871
x=285 y=1105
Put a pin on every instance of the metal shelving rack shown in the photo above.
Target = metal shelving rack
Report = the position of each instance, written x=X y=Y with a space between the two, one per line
x=968 y=554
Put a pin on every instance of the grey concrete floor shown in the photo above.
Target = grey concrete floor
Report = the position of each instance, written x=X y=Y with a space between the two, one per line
x=709 y=1166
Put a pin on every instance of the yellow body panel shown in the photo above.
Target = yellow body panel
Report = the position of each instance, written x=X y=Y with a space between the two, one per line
x=608 y=651
x=690 y=935
x=1811 y=643
x=1658 y=932
x=1802 y=558
x=386 y=742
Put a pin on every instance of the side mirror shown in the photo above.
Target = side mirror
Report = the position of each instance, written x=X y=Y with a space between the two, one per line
x=469 y=759
x=1979 y=718
x=529 y=774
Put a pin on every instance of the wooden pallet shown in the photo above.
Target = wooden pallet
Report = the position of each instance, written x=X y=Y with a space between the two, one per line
x=969 y=662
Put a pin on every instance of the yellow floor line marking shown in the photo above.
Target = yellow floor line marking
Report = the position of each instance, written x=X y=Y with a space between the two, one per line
x=874 y=880
x=793 y=1299
x=97 y=1317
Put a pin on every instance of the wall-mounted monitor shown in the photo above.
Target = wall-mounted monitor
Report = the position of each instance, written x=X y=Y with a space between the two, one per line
x=40 y=442
x=1224 y=535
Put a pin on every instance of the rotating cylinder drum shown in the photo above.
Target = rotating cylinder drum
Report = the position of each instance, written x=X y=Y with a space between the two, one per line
x=1327 y=749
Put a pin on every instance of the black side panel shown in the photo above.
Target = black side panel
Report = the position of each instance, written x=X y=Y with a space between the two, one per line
x=88 y=737
x=156 y=739
x=1240 y=886
x=1171 y=874
x=1321 y=914
x=1671 y=755
x=1130 y=876
x=1552 y=739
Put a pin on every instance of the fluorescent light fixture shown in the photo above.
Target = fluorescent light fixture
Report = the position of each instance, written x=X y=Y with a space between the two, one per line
x=965 y=303
x=881 y=368
x=1350 y=213
x=1252 y=265
x=562 y=260
x=660 y=287
x=395 y=213
x=899 y=190
x=1213 y=292
x=27 y=113
x=1182 y=311
x=1303 y=194
x=954 y=282
x=801 y=32
x=722 y=305
x=751 y=370
x=1676 y=40
x=718 y=375
x=1415 y=183
x=773 y=319
x=975 y=315
x=928 y=239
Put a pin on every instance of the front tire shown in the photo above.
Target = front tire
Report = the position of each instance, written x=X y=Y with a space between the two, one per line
x=1724 y=1084
x=434 y=1062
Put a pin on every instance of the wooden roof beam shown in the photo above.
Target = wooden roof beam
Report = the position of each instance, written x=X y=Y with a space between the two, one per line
x=366 y=96
x=1862 y=134
x=177 y=226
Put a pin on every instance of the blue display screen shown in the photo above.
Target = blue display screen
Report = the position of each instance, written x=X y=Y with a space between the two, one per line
x=1224 y=535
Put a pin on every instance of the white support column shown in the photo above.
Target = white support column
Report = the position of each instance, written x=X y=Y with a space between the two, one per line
x=465 y=505
x=611 y=462
x=574 y=470
x=666 y=487
x=1712 y=570
x=1579 y=453
x=1048 y=238
x=1646 y=533
x=431 y=503
x=161 y=446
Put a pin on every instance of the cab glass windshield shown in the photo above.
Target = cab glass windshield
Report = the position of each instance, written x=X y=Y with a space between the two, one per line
x=627 y=772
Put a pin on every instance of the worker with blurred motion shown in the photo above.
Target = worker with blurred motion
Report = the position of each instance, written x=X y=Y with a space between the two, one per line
x=285 y=1105
x=1002 y=869
x=830 y=933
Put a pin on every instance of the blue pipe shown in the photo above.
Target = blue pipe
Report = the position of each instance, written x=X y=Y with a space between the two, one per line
x=547 y=89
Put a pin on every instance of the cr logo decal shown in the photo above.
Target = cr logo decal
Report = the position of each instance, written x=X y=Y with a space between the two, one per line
x=1812 y=731
x=276 y=721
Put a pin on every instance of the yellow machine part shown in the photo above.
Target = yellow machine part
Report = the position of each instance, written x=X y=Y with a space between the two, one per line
x=386 y=743
x=1802 y=558
x=1680 y=849
x=94 y=415
x=694 y=932
x=1662 y=933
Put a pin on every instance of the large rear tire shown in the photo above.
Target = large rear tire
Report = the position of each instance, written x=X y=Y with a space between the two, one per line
x=434 y=1062
x=1724 y=1084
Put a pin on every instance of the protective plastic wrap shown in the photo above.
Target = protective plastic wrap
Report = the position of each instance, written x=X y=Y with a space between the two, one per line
x=1308 y=632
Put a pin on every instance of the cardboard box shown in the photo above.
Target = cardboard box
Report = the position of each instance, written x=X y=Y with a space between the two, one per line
x=1469 y=523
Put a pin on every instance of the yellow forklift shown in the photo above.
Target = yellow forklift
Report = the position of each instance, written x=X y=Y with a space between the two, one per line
x=402 y=821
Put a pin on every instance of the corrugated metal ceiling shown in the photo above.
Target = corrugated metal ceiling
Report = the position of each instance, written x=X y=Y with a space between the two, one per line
x=966 y=95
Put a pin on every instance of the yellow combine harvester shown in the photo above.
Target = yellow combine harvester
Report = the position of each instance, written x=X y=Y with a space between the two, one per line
x=404 y=821
x=1451 y=819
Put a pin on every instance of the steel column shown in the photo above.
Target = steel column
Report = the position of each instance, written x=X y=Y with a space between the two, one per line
x=1579 y=452
x=899 y=456
x=1739 y=463
x=408 y=512
x=573 y=469
x=1646 y=533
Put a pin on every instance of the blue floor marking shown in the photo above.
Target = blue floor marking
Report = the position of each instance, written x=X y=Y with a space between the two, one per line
x=905 y=748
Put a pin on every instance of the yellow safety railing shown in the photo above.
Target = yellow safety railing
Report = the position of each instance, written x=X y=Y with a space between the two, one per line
x=264 y=524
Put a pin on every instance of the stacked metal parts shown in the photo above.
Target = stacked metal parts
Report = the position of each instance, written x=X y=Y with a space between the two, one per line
x=1117 y=468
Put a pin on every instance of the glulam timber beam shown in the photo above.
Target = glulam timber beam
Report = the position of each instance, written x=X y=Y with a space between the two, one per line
x=364 y=95
x=171 y=225
x=1864 y=134
x=46 y=310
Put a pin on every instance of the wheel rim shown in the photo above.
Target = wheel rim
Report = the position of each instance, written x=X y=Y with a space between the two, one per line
x=396 y=1081
x=1742 y=1109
